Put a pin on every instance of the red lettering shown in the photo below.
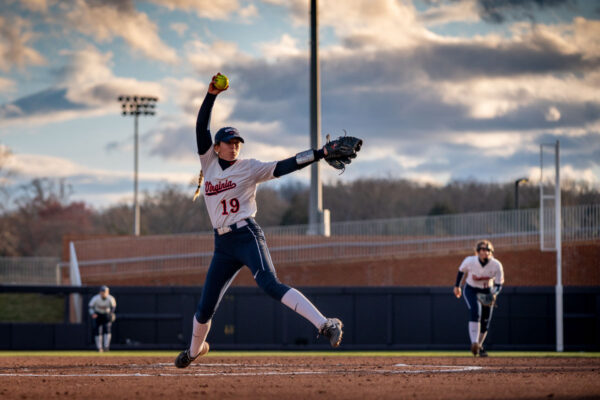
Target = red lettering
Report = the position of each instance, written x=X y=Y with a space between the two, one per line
x=211 y=190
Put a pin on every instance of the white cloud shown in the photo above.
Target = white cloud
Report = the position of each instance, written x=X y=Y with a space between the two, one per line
x=286 y=47
x=552 y=114
x=6 y=85
x=457 y=11
x=15 y=49
x=90 y=80
x=86 y=88
x=366 y=23
x=37 y=165
x=31 y=166
x=189 y=94
x=35 y=5
x=213 y=9
x=492 y=144
x=247 y=13
x=209 y=59
x=105 y=21
x=491 y=97
x=567 y=172
x=179 y=27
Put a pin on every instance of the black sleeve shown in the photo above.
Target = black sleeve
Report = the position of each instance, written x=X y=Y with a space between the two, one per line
x=203 y=138
x=289 y=165
x=459 y=277
x=497 y=288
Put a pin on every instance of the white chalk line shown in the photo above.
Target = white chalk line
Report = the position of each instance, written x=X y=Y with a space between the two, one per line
x=422 y=369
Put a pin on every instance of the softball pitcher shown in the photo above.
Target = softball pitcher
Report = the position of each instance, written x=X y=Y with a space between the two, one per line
x=485 y=277
x=230 y=197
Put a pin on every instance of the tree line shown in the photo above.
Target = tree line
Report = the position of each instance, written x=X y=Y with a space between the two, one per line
x=34 y=220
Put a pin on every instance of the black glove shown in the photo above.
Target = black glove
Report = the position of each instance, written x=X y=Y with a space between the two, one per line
x=486 y=299
x=342 y=150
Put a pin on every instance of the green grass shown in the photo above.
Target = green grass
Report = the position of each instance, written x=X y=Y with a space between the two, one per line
x=162 y=353
x=31 y=307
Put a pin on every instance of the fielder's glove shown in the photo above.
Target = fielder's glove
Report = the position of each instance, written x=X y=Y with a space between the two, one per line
x=341 y=151
x=486 y=299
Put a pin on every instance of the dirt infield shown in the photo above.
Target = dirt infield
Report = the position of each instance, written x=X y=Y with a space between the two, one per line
x=300 y=377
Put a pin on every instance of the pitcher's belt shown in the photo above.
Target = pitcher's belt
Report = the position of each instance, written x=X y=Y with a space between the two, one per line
x=226 y=229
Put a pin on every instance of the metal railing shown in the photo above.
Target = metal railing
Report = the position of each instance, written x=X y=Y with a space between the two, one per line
x=29 y=271
x=398 y=237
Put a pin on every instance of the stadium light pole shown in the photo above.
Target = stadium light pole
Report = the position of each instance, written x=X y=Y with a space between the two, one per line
x=517 y=182
x=136 y=105
x=315 y=202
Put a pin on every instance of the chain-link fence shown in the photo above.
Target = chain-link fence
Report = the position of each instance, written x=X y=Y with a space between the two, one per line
x=29 y=271
x=398 y=237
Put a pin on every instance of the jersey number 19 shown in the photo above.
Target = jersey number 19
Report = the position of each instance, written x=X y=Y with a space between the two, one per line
x=234 y=206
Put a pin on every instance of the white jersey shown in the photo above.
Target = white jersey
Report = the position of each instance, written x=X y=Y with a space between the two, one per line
x=230 y=195
x=98 y=305
x=482 y=276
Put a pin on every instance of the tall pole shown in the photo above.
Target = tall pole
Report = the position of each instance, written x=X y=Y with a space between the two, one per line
x=517 y=182
x=136 y=106
x=136 y=205
x=558 y=244
x=315 y=208
x=517 y=194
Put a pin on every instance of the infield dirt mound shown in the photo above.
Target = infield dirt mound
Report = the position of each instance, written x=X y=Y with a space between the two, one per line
x=302 y=377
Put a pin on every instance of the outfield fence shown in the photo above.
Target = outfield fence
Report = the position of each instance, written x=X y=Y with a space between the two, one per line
x=397 y=237
x=29 y=271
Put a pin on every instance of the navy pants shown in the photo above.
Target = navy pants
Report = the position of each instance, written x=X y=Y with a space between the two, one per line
x=102 y=321
x=477 y=311
x=242 y=246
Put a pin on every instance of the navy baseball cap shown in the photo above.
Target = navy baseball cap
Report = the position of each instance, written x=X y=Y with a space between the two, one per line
x=103 y=288
x=226 y=134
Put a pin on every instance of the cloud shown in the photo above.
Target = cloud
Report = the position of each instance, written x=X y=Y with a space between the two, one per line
x=179 y=27
x=498 y=11
x=35 y=5
x=552 y=114
x=213 y=9
x=447 y=12
x=248 y=13
x=92 y=184
x=429 y=107
x=15 y=49
x=442 y=105
x=286 y=47
x=85 y=87
x=365 y=23
x=6 y=85
x=207 y=59
x=105 y=20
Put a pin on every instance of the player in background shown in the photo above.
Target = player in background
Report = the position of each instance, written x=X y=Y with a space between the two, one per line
x=484 y=275
x=230 y=197
x=102 y=310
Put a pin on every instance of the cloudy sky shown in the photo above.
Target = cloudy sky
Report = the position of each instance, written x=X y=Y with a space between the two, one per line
x=438 y=89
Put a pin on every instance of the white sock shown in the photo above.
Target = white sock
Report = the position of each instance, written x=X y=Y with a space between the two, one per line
x=98 y=339
x=474 y=331
x=300 y=304
x=482 y=338
x=107 y=340
x=199 y=333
